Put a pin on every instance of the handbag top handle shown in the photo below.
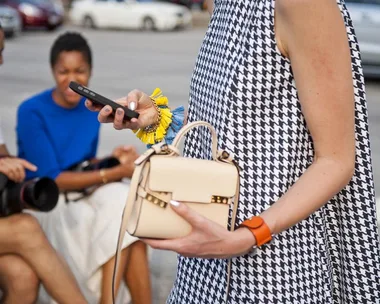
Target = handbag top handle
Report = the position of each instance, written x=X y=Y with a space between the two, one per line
x=189 y=126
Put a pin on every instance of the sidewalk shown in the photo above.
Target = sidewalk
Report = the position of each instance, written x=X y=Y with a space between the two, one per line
x=200 y=18
x=163 y=269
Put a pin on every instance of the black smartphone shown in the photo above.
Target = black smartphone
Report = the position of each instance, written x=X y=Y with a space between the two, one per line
x=101 y=100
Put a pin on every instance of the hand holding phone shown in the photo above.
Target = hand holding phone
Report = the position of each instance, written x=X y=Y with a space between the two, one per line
x=101 y=100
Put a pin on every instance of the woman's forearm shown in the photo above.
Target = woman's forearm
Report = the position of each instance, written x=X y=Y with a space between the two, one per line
x=320 y=182
x=209 y=5
x=3 y=150
x=80 y=180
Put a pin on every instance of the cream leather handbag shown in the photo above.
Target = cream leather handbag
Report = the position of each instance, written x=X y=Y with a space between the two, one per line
x=161 y=174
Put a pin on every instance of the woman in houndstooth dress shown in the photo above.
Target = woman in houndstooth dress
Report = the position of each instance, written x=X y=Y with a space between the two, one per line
x=295 y=145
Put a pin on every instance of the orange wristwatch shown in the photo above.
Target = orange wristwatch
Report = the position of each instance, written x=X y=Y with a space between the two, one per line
x=259 y=229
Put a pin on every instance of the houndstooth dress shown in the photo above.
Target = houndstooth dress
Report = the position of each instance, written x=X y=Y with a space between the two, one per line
x=245 y=88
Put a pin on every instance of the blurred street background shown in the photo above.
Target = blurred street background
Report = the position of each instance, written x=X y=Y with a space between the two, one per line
x=125 y=60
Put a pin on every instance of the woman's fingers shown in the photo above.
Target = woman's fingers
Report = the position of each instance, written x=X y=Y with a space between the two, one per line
x=135 y=101
x=106 y=115
x=19 y=173
x=132 y=99
x=119 y=120
x=27 y=165
x=92 y=107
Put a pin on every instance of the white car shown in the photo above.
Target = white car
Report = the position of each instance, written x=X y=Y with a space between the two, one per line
x=130 y=14
x=365 y=16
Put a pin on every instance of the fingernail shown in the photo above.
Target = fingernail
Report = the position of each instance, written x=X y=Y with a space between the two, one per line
x=175 y=203
x=119 y=111
x=132 y=106
x=107 y=110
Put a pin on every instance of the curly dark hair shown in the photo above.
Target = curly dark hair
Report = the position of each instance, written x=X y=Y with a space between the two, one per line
x=68 y=42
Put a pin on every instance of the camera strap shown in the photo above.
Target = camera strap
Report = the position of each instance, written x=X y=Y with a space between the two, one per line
x=76 y=196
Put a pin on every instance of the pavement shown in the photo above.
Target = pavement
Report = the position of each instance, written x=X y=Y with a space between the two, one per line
x=200 y=19
x=124 y=61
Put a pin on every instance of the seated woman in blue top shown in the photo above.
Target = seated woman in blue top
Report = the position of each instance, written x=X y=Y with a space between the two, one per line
x=55 y=131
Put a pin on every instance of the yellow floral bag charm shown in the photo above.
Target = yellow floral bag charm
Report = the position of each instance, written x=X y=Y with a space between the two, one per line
x=156 y=133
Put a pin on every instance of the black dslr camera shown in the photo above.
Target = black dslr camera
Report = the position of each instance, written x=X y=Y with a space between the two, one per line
x=105 y=163
x=85 y=166
x=40 y=194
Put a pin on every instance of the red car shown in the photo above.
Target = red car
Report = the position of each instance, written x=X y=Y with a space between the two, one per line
x=38 y=13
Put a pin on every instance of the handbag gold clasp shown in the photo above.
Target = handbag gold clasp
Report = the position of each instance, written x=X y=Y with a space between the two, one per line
x=157 y=201
x=219 y=199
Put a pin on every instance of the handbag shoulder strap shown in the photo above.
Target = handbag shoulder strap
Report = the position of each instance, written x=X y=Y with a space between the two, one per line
x=123 y=227
x=236 y=200
x=233 y=223
x=225 y=157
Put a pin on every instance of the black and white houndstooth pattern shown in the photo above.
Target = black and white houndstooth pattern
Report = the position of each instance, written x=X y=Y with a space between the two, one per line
x=245 y=88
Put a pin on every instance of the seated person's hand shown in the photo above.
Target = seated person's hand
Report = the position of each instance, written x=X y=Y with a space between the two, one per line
x=135 y=101
x=125 y=154
x=127 y=157
x=14 y=168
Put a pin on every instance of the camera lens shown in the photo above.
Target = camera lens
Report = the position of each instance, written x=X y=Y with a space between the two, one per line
x=42 y=195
